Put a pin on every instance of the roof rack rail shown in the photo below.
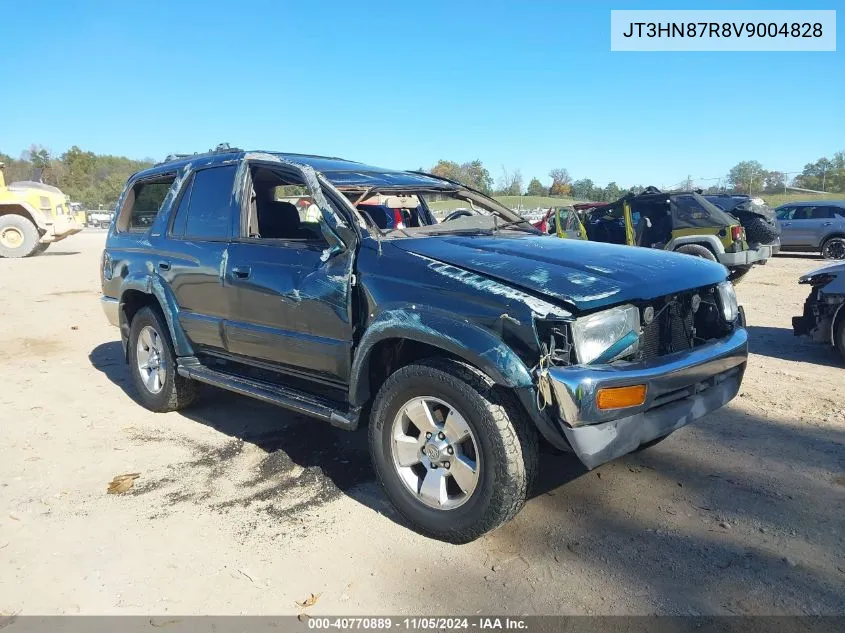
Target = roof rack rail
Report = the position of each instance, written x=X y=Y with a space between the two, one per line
x=222 y=148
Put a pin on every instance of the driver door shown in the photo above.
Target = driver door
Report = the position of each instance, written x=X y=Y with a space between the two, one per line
x=291 y=305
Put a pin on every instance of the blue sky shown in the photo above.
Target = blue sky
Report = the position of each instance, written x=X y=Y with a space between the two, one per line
x=401 y=84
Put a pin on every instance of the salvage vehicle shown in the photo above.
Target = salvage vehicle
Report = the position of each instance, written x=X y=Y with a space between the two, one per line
x=823 y=319
x=759 y=221
x=680 y=221
x=460 y=343
x=562 y=222
x=817 y=226
x=32 y=216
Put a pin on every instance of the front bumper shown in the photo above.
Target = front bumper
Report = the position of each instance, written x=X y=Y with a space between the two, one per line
x=682 y=387
x=61 y=227
x=111 y=308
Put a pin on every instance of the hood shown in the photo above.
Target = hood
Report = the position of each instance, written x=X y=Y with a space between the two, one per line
x=833 y=269
x=586 y=275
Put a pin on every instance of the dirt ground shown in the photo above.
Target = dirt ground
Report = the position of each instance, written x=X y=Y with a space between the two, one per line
x=243 y=508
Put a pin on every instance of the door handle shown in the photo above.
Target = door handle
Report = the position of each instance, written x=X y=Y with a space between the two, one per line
x=826 y=223
x=786 y=223
x=242 y=272
x=164 y=265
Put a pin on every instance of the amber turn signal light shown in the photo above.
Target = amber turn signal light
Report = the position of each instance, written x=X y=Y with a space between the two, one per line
x=621 y=397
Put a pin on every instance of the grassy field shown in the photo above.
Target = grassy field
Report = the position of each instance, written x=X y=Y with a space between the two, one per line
x=512 y=202
x=777 y=199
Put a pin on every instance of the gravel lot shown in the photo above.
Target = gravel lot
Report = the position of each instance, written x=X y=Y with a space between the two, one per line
x=244 y=508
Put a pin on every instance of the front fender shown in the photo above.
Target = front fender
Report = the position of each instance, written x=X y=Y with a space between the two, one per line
x=440 y=329
x=152 y=284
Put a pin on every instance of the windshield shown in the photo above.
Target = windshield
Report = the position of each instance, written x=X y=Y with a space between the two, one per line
x=414 y=213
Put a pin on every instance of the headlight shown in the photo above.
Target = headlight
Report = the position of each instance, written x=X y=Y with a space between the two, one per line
x=604 y=336
x=727 y=301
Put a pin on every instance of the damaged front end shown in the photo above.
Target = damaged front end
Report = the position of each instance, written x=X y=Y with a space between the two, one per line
x=623 y=377
x=823 y=310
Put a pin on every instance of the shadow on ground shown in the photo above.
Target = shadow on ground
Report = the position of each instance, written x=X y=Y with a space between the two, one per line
x=736 y=514
x=800 y=255
x=334 y=461
x=782 y=344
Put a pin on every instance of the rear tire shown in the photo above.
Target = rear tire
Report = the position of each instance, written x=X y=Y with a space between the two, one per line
x=696 y=250
x=834 y=248
x=18 y=236
x=152 y=363
x=503 y=460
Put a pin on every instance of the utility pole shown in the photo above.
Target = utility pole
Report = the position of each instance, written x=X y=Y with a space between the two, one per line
x=824 y=175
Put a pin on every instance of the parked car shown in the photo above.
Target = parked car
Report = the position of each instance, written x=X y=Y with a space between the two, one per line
x=759 y=221
x=814 y=226
x=33 y=215
x=99 y=219
x=824 y=316
x=459 y=343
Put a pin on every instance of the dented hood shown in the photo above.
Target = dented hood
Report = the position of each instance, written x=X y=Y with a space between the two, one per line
x=586 y=275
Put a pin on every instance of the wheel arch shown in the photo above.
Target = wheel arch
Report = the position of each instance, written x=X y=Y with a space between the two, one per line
x=149 y=291
x=397 y=337
x=25 y=210
x=830 y=236
x=710 y=242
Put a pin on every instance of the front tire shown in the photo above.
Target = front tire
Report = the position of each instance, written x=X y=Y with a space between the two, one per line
x=696 y=250
x=455 y=453
x=18 y=236
x=152 y=363
x=839 y=335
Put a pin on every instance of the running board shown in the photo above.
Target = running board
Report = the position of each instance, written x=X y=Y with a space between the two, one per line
x=292 y=399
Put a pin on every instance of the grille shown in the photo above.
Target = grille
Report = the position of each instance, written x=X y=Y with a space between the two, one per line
x=671 y=330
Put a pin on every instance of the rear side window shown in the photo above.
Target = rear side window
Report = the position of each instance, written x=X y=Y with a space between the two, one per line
x=821 y=213
x=143 y=203
x=210 y=207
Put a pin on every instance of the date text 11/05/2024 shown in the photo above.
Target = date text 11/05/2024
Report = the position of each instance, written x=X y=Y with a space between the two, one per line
x=419 y=623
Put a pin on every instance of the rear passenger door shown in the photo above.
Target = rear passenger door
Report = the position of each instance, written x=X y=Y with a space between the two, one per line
x=291 y=304
x=194 y=262
x=797 y=227
x=821 y=223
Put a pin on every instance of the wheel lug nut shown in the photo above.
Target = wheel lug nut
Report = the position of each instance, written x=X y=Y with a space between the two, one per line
x=450 y=450
x=446 y=465
x=434 y=466
x=440 y=435
x=428 y=436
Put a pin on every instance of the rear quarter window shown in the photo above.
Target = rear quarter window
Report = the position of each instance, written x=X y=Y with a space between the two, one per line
x=143 y=203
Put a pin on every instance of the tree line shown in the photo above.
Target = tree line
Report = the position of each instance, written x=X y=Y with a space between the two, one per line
x=92 y=179
x=97 y=179
x=825 y=174
x=749 y=177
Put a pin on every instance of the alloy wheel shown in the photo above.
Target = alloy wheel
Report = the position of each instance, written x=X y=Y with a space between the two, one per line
x=435 y=453
x=150 y=359
x=834 y=249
